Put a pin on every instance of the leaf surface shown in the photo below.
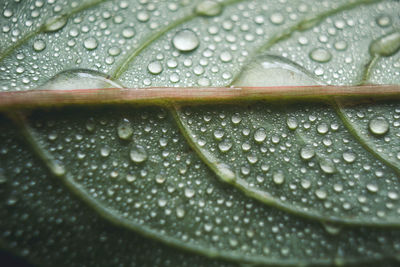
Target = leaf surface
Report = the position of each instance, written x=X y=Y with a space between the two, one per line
x=113 y=175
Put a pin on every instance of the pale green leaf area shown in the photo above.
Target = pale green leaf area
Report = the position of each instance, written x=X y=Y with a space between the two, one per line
x=263 y=183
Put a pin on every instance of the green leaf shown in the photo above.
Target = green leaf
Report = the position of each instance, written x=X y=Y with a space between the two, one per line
x=120 y=185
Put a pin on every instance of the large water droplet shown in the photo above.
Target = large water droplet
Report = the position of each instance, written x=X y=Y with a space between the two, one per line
x=225 y=146
x=79 y=79
x=274 y=71
x=378 y=126
x=349 y=156
x=208 y=8
x=292 y=123
x=138 y=154
x=277 y=18
x=386 y=45
x=185 y=40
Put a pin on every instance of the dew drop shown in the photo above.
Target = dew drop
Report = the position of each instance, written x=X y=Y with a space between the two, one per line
x=79 y=79
x=55 y=23
x=307 y=153
x=260 y=135
x=321 y=194
x=384 y=21
x=331 y=228
x=349 y=156
x=155 y=67
x=225 y=146
x=225 y=56
x=292 y=123
x=90 y=43
x=208 y=8
x=185 y=40
x=277 y=18
x=39 y=45
x=320 y=55
x=373 y=188
x=105 y=151
x=327 y=166
x=236 y=119
x=189 y=193
x=378 y=126
x=180 y=212
x=386 y=45
x=305 y=184
x=124 y=129
x=278 y=178
x=226 y=172
x=128 y=33
x=138 y=154
x=322 y=128
x=340 y=45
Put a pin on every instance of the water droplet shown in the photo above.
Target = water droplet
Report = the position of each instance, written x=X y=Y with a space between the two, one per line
x=225 y=56
x=378 y=126
x=260 y=135
x=322 y=128
x=218 y=134
x=58 y=169
x=320 y=55
x=332 y=228
x=55 y=23
x=384 y=21
x=189 y=193
x=321 y=194
x=155 y=67
x=105 y=151
x=373 y=188
x=305 y=184
x=327 y=166
x=124 y=129
x=128 y=33
x=274 y=71
x=208 y=8
x=180 y=212
x=340 y=45
x=236 y=119
x=39 y=45
x=138 y=154
x=79 y=79
x=349 y=156
x=277 y=18
x=225 y=146
x=292 y=123
x=185 y=40
x=278 y=177
x=90 y=43
x=386 y=45
x=307 y=152
x=225 y=172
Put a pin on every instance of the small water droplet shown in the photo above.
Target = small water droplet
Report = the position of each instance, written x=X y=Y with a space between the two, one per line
x=383 y=21
x=278 y=177
x=39 y=45
x=155 y=67
x=90 y=43
x=307 y=152
x=320 y=55
x=260 y=135
x=225 y=172
x=105 y=151
x=138 y=154
x=378 y=126
x=277 y=18
x=128 y=33
x=340 y=45
x=189 y=193
x=322 y=128
x=292 y=123
x=373 y=188
x=327 y=166
x=349 y=156
x=208 y=8
x=225 y=56
x=124 y=129
x=332 y=228
x=55 y=23
x=305 y=184
x=180 y=212
x=225 y=146
x=185 y=40
x=321 y=194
